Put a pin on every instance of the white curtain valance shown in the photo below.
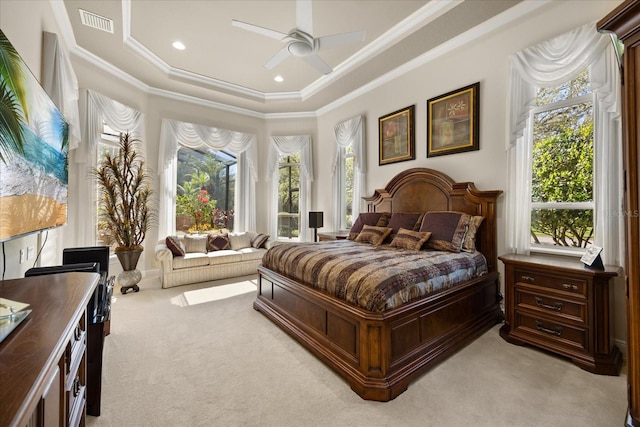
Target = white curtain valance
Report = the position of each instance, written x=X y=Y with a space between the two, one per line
x=548 y=64
x=117 y=116
x=61 y=84
x=192 y=135
x=350 y=133
x=291 y=145
x=175 y=133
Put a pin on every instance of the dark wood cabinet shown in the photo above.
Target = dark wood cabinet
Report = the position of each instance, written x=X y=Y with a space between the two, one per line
x=43 y=361
x=624 y=21
x=558 y=304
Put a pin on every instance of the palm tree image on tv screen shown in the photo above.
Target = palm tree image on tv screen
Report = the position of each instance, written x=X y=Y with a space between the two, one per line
x=33 y=151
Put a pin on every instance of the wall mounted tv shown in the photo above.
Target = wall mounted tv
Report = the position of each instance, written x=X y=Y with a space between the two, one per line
x=33 y=151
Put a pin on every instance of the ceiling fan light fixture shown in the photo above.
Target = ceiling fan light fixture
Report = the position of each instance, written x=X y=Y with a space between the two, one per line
x=179 y=45
x=300 y=48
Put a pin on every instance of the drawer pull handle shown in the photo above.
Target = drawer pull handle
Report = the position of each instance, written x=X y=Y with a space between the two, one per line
x=570 y=287
x=556 y=306
x=76 y=387
x=77 y=333
x=557 y=331
x=528 y=278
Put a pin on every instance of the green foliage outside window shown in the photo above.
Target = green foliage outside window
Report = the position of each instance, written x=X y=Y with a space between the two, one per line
x=205 y=190
x=563 y=168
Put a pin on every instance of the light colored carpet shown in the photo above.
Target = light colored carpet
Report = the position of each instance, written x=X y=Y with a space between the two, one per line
x=199 y=355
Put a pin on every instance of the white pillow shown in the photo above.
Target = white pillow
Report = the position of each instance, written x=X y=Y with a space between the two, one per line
x=239 y=240
x=195 y=243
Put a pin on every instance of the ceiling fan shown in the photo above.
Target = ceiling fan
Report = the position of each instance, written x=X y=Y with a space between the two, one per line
x=300 y=42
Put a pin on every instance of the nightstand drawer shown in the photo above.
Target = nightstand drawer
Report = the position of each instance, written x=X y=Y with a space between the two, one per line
x=556 y=282
x=575 y=311
x=551 y=332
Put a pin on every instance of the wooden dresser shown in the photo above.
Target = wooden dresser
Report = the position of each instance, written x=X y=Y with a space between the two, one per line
x=558 y=304
x=43 y=361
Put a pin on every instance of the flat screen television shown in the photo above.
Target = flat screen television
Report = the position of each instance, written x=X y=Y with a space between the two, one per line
x=34 y=150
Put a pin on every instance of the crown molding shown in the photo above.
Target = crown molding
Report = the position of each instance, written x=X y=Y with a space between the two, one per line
x=493 y=24
x=487 y=27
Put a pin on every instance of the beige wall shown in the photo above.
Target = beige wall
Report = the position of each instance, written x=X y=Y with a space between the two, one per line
x=484 y=60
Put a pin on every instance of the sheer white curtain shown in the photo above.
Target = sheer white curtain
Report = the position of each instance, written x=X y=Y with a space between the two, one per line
x=284 y=145
x=175 y=133
x=119 y=117
x=549 y=64
x=60 y=82
x=349 y=133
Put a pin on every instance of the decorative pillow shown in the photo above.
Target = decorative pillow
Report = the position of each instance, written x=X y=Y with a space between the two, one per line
x=447 y=229
x=469 y=242
x=410 y=239
x=218 y=242
x=175 y=246
x=239 y=240
x=403 y=220
x=195 y=243
x=259 y=240
x=379 y=219
x=372 y=234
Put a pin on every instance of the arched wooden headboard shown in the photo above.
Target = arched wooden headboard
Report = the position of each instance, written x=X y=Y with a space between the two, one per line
x=426 y=190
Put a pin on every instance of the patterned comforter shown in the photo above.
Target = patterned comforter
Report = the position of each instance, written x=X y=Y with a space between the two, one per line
x=376 y=278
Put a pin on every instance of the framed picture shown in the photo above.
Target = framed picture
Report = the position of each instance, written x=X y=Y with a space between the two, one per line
x=453 y=121
x=396 y=134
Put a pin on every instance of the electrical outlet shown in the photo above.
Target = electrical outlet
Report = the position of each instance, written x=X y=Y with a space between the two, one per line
x=31 y=252
x=22 y=253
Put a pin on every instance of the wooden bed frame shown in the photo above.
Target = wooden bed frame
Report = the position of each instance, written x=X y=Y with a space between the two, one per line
x=379 y=354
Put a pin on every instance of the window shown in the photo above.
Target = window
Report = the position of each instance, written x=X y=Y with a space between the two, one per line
x=289 y=197
x=347 y=160
x=205 y=190
x=108 y=145
x=562 y=202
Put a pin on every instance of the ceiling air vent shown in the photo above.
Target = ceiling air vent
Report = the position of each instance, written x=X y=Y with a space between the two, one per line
x=96 y=21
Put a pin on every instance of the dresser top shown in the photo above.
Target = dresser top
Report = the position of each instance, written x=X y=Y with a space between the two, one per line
x=560 y=263
x=32 y=349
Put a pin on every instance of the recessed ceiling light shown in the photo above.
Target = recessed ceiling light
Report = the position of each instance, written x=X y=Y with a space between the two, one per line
x=278 y=79
x=179 y=45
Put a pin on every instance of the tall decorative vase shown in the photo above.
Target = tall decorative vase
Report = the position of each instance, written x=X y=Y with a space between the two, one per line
x=130 y=275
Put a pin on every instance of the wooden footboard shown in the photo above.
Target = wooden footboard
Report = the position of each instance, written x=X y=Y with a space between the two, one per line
x=379 y=354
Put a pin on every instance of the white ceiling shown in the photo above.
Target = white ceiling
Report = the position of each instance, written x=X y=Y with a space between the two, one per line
x=224 y=64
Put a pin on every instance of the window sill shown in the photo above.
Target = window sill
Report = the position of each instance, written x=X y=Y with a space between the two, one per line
x=577 y=253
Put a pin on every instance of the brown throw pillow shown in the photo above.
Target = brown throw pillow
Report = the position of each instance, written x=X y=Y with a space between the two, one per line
x=469 y=243
x=259 y=240
x=410 y=239
x=447 y=228
x=379 y=219
x=175 y=246
x=218 y=242
x=372 y=234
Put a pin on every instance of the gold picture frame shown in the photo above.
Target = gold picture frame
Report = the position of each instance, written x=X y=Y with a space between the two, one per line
x=396 y=132
x=453 y=121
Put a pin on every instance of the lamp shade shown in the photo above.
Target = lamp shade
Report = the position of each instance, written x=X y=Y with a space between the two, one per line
x=316 y=219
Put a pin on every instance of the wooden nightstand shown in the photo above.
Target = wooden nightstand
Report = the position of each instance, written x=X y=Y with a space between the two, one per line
x=333 y=235
x=558 y=304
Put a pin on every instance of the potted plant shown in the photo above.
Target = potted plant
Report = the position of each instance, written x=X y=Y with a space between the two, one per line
x=125 y=215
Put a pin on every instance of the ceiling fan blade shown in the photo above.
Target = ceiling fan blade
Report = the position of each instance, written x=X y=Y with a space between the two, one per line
x=318 y=63
x=260 y=30
x=304 y=16
x=339 y=39
x=280 y=56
